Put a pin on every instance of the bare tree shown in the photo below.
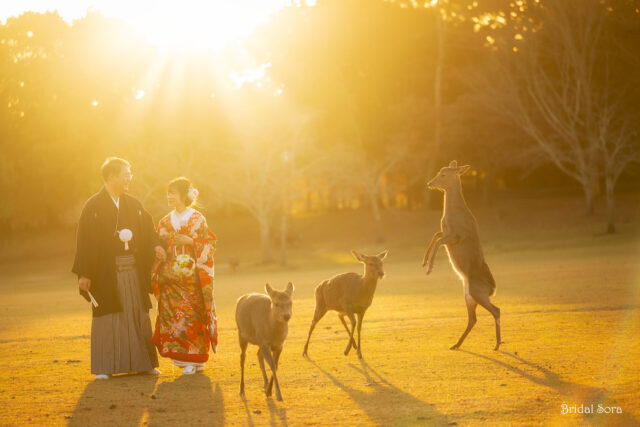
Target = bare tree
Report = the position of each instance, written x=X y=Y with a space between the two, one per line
x=549 y=82
x=366 y=172
x=618 y=144
x=260 y=175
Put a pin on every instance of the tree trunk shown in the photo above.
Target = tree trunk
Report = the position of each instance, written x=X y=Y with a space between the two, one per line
x=265 y=240
x=375 y=206
x=488 y=187
x=610 y=184
x=595 y=191
x=283 y=238
x=437 y=106
x=588 y=198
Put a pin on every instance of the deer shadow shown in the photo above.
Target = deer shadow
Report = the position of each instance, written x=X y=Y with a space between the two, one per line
x=382 y=402
x=121 y=400
x=247 y=410
x=581 y=393
x=188 y=400
x=277 y=414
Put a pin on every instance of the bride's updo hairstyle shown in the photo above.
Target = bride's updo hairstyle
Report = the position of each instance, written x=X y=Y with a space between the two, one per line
x=183 y=187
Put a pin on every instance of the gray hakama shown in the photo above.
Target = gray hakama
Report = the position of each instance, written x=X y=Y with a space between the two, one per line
x=121 y=342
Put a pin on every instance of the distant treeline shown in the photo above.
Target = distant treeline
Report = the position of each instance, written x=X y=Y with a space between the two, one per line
x=339 y=105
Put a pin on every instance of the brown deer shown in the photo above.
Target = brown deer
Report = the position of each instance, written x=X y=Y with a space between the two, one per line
x=263 y=320
x=459 y=235
x=350 y=294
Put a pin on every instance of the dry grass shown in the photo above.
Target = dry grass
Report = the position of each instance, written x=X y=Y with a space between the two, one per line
x=571 y=326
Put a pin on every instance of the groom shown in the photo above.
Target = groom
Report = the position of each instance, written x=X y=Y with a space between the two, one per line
x=116 y=242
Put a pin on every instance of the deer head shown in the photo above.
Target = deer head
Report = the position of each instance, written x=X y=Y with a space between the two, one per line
x=447 y=177
x=281 y=304
x=372 y=263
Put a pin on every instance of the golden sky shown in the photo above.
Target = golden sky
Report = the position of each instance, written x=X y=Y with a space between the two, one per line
x=196 y=23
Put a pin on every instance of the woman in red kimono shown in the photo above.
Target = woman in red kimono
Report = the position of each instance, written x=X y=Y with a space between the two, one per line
x=183 y=285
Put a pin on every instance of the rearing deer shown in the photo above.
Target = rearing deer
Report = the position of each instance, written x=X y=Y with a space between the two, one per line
x=459 y=234
x=350 y=294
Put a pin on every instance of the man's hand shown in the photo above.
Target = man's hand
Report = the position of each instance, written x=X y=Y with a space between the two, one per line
x=84 y=283
x=161 y=254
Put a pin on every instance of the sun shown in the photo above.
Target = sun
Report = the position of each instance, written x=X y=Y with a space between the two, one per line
x=169 y=23
x=193 y=24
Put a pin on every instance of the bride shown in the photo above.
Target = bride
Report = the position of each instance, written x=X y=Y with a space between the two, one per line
x=183 y=284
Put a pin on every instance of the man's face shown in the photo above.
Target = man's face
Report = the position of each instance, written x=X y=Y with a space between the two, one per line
x=121 y=181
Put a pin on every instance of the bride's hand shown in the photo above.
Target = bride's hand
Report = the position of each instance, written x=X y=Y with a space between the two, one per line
x=161 y=254
x=182 y=239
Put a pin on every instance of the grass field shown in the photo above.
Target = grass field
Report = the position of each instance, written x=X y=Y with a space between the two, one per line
x=570 y=306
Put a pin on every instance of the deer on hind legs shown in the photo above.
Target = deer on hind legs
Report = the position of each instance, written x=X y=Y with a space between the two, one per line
x=459 y=235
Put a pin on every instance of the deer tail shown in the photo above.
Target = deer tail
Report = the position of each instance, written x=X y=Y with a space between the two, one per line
x=486 y=273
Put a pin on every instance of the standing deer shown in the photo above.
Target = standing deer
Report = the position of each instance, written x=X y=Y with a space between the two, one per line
x=459 y=234
x=264 y=321
x=350 y=294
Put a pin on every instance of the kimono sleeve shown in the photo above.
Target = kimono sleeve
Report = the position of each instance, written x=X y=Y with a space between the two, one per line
x=82 y=262
x=205 y=246
x=150 y=229
x=159 y=266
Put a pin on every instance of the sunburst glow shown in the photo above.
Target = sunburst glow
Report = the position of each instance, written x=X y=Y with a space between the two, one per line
x=188 y=24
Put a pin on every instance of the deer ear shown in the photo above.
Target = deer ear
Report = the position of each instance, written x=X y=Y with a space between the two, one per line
x=268 y=288
x=290 y=288
x=383 y=255
x=357 y=255
x=463 y=169
x=453 y=164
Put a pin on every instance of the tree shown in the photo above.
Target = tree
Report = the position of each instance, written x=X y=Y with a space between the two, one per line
x=551 y=79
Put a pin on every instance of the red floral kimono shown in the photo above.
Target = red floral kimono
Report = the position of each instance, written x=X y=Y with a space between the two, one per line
x=186 y=324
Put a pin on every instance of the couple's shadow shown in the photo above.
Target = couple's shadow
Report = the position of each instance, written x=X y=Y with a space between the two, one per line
x=139 y=399
x=385 y=403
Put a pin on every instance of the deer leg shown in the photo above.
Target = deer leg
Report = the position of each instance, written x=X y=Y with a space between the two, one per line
x=352 y=319
x=359 y=348
x=451 y=238
x=264 y=373
x=341 y=317
x=317 y=315
x=430 y=247
x=484 y=301
x=266 y=351
x=276 y=356
x=433 y=256
x=243 y=355
x=471 y=320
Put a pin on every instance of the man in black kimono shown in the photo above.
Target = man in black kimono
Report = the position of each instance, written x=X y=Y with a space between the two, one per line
x=116 y=243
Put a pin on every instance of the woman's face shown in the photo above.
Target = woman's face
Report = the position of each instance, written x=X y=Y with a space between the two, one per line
x=174 y=200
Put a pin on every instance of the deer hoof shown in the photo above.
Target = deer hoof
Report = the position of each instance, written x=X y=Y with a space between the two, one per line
x=279 y=398
x=454 y=347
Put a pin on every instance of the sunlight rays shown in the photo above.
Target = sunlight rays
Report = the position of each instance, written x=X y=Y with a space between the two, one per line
x=192 y=24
